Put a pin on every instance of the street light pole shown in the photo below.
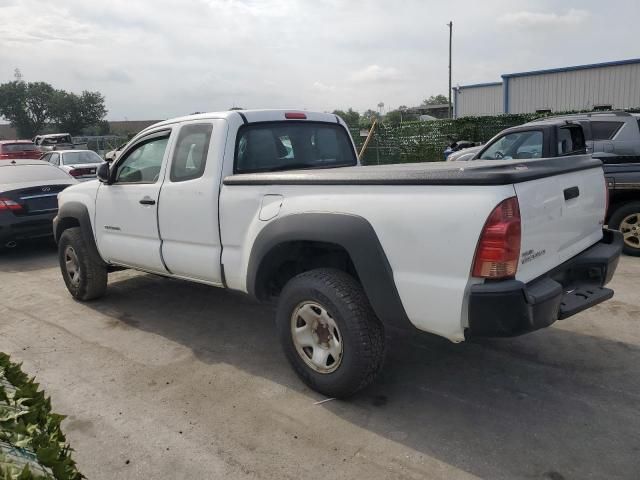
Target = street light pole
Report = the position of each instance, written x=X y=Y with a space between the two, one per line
x=450 y=25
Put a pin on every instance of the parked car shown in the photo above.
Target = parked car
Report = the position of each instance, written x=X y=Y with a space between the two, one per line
x=464 y=154
x=457 y=146
x=54 y=141
x=80 y=164
x=351 y=253
x=18 y=149
x=28 y=199
x=111 y=155
x=609 y=135
x=546 y=138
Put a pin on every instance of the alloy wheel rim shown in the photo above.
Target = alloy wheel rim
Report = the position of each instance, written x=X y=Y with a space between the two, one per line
x=316 y=337
x=630 y=228
x=72 y=265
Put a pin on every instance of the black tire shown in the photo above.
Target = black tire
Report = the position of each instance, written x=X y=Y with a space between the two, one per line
x=91 y=280
x=615 y=221
x=362 y=333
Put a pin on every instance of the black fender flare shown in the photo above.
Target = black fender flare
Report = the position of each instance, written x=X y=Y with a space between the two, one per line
x=353 y=233
x=72 y=214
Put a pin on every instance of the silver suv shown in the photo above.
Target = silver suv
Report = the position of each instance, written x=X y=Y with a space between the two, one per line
x=607 y=134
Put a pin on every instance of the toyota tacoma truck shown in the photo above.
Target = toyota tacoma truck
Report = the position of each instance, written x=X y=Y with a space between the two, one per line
x=274 y=204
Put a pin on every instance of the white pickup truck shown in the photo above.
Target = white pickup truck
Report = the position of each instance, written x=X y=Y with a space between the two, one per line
x=274 y=204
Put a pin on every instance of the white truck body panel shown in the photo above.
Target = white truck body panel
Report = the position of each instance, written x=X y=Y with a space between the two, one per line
x=430 y=267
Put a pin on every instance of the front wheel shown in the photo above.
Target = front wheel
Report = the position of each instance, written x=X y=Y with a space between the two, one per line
x=83 y=272
x=329 y=332
x=626 y=218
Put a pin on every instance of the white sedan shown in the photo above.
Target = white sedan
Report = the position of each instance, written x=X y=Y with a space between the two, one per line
x=80 y=164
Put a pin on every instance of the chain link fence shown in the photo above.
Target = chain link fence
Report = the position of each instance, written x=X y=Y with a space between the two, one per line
x=411 y=142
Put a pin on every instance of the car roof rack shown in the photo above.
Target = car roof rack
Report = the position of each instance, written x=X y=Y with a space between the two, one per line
x=617 y=113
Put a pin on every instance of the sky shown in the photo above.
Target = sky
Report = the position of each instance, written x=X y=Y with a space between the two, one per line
x=156 y=59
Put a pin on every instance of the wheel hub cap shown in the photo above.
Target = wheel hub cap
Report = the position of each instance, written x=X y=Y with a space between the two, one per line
x=630 y=228
x=316 y=337
x=72 y=265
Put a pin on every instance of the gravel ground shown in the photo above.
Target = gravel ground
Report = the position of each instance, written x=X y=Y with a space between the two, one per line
x=166 y=379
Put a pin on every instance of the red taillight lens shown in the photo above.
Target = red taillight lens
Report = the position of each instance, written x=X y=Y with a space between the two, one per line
x=75 y=173
x=295 y=116
x=498 y=249
x=6 y=204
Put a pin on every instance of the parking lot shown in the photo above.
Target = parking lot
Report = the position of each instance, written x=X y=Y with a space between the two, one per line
x=167 y=379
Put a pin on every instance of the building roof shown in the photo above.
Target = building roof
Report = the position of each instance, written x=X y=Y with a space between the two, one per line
x=588 y=66
x=631 y=61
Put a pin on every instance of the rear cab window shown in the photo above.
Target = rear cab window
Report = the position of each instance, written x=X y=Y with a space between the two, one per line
x=17 y=147
x=275 y=146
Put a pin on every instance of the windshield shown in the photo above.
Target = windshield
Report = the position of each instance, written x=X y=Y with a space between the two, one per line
x=289 y=145
x=31 y=173
x=517 y=145
x=75 y=158
x=17 y=147
x=57 y=140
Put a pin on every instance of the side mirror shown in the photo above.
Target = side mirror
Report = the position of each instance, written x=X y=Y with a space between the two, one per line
x=103 y=172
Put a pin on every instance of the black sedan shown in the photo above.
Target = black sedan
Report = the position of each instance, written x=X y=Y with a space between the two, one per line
x=29 y=199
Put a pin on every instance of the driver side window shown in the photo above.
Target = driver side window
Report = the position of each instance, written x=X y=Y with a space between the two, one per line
x=143 y=163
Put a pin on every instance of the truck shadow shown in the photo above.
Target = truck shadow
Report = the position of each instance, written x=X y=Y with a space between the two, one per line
x=554 y=404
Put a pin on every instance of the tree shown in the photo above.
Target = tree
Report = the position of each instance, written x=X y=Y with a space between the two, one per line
x=30 y=106
x=435 y=100
x=26 y=105
x=351 y=117
x=72 y=113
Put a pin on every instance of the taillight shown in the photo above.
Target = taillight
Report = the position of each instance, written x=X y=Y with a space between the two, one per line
x=6 y=204
x=295 y=116
x=498 y=249
x=75 y=173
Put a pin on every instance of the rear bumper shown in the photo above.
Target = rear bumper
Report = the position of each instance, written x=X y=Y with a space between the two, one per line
x=15 y=228
x=509 y=308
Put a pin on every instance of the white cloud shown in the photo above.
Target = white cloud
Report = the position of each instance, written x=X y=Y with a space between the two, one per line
x=533 y=20
x=321 y=87
x=375 y=73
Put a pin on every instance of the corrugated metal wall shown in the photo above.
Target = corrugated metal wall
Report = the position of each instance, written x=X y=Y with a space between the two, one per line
x=480 y=100
x=618 y=86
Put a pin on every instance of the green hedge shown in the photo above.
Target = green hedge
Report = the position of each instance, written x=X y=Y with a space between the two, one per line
x=426 y=141
x=32 y=446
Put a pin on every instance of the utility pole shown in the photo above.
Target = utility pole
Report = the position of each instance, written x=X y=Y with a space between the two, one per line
x=450 y=25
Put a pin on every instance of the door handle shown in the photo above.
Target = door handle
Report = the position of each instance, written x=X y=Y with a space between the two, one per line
x=148 y=201
x=572 y=192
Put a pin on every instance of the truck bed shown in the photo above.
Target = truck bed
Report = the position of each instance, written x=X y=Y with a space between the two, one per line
x=481 y=172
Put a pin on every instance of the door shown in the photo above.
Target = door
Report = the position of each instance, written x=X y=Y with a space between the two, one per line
x=126 y=211
x=188 y=211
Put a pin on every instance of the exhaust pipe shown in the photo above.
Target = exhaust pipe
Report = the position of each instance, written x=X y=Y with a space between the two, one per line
x=11 y=244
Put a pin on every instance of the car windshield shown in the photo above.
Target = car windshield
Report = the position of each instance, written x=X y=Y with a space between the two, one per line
x=57 y=140
x=17 y=147
x=75 y=158
x=289 y=145
x=31 y=173
x=517 y=145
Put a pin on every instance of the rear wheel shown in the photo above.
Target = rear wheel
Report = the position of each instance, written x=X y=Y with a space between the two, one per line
x=84 y=273
x=329 y=332
x=627 y=219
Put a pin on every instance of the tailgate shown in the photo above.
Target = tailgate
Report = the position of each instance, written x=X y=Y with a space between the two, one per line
x=561 y=216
